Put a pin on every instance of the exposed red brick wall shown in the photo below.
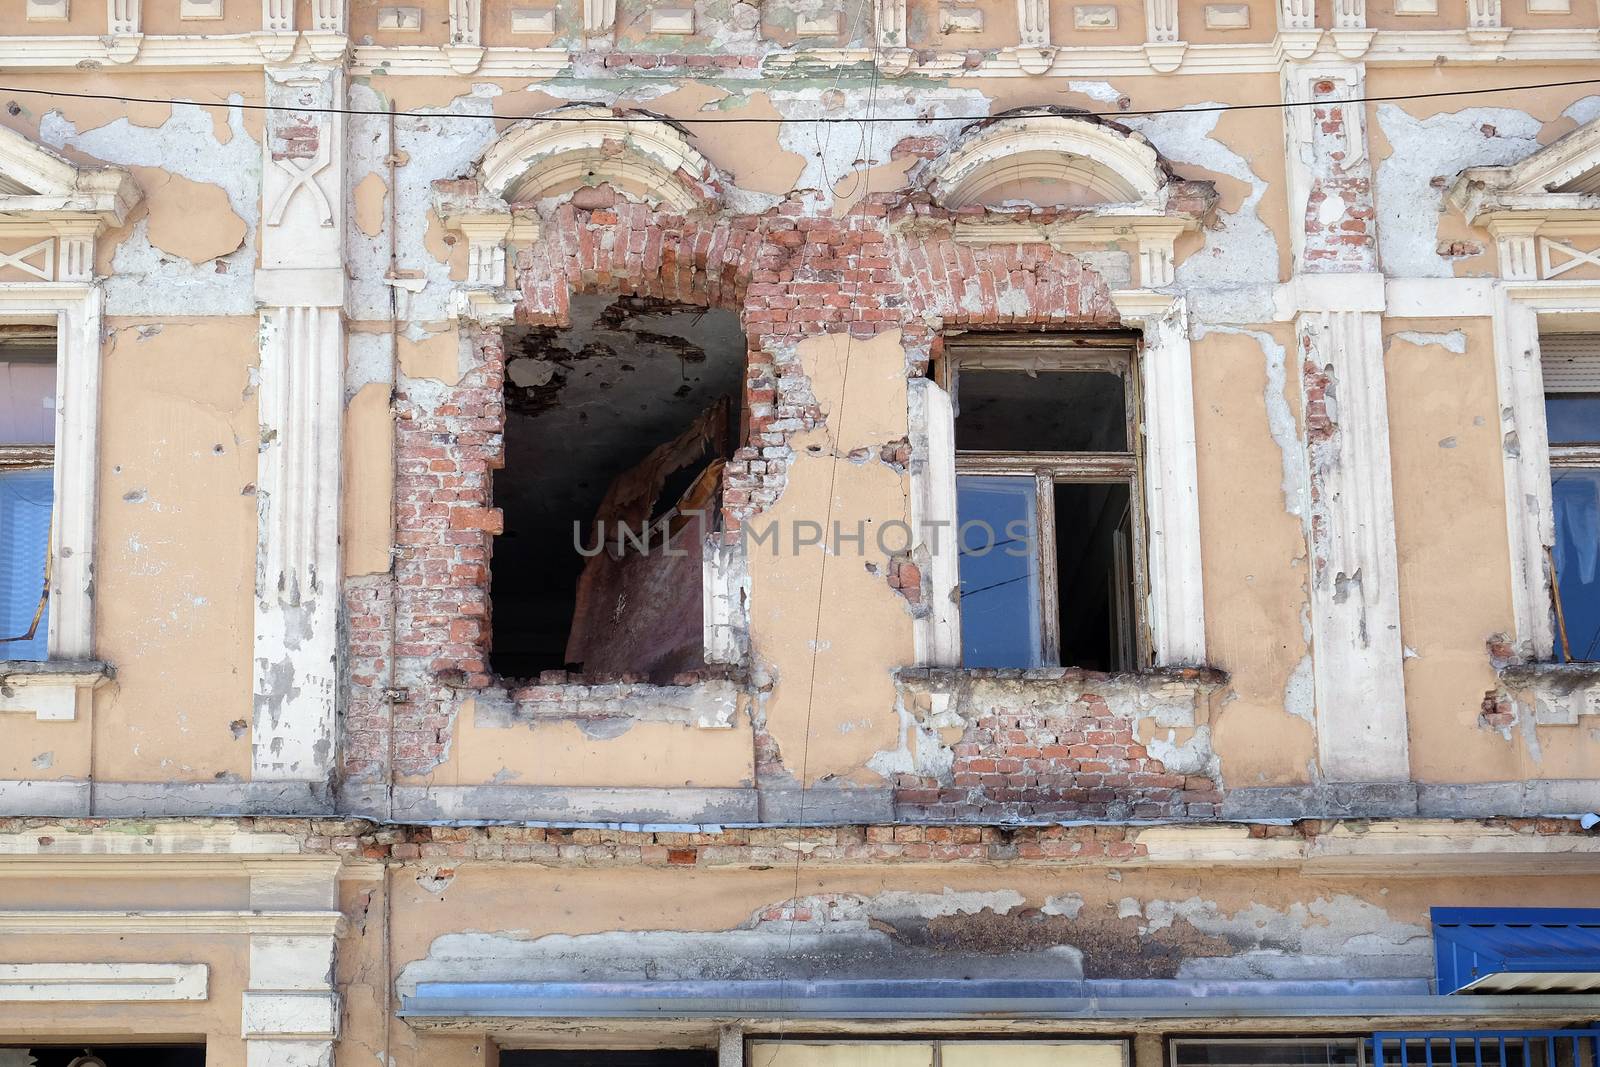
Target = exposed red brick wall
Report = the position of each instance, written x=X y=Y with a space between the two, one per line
x=1067 y=761
x=1346 y=243
x=788 y=274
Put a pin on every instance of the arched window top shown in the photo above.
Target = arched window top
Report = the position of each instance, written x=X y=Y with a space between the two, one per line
x=641 y=155
x=1049 y=158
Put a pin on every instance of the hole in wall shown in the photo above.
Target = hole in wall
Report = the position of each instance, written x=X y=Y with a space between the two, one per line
x=625 y=417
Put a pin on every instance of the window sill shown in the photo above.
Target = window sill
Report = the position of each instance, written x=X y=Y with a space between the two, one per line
x=705 y=703
x=49 y=689
x=1170 y=695
x=1557 y=693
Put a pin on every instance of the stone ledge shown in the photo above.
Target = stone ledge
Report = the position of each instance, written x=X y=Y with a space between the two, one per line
x=80 y=799
x=610 y=707
x=1556 y=694
x=50 y=688
x=1536 y=798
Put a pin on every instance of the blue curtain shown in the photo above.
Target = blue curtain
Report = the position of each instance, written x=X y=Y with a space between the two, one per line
x=25 y=499
x=1577 y=559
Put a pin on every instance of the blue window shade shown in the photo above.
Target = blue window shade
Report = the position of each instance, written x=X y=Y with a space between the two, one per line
x=25 y=499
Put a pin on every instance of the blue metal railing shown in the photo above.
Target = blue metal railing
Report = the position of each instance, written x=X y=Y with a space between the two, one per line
x=1485 y=1048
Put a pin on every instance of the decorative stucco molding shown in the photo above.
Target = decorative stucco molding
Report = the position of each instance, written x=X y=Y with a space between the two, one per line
x=1116 y=164
x=102 y=982
x=38 y=185
x=49 y=691
x=300 y=285
x=637 y=154
x=1142 y=206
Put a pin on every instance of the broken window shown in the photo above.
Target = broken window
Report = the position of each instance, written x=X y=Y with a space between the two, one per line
x=1047 y=500
x=1572 y=420
x=27 y=487
x=617 y=430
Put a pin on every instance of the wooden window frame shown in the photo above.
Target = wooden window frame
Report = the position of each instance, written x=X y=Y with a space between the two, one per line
x=1115 y=353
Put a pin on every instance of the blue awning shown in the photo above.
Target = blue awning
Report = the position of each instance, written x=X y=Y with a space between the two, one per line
x=1517 y=950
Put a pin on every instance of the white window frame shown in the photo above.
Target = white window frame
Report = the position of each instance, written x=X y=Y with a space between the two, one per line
x=1174 y=587
x=63 y=207
x=1522 y=309
x=73 y=309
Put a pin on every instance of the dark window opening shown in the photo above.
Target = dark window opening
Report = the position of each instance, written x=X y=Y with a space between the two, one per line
x=109 y=1055
x=27 y=487
x=1571 y=364
x=606 y=1057
x=617 y=429
x=1047 y=500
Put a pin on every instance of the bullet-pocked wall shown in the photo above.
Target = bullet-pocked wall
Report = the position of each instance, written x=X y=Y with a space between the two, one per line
x=837 y=272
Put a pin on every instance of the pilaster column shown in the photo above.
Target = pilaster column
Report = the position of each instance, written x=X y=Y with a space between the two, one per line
x=300 y=287
x=1338 y=298
x=290 y=1012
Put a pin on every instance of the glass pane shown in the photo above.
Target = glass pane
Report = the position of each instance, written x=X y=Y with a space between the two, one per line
x=1572 y=418
x=27 y=401
x=25 y=497
x=1245 y=1053
x=1577 y=559
x=1000 y=614
x=1051 y=411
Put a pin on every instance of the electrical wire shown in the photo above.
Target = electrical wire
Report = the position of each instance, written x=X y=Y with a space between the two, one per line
x=767 y=120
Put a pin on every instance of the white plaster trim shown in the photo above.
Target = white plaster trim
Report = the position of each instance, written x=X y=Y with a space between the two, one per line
x=1176 y=588
x=289 y=1014
x=65 y=982
x=62 y=189
x=725 y=594
x=75 y=309
x=1438 y=298
x=931 y=420
x=39 y=921
x=157 y=842
x=1525 y=451
x=533 y=159
x=1407 y=48
x=302 y=354
x=1152 y=235
x=1355 y=607
x=1122 y=167
x=1526 y=185
x=49 y=695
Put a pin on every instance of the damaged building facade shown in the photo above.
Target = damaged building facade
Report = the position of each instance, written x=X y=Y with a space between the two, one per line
x=899 y=533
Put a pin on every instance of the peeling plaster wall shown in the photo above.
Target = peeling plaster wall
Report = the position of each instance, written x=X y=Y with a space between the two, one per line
x=698 y=923
x=180 y=282
x=178 y=471
x=191 y=249
x=1256 y=596
x=835 y=660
